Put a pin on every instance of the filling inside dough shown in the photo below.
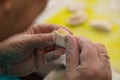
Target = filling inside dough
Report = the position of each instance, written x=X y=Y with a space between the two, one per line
x=60 y=37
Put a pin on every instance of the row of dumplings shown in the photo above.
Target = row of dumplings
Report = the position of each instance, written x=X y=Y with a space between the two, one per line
x=79 y=16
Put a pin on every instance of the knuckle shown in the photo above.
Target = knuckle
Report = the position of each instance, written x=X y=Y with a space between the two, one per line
x=100 y=45
x=93 y=73
x=90 y=71
x=101 y=48
x=90 y=48
x=97 y=73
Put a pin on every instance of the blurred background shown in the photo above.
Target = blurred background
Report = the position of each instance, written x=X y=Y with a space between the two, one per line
x=61 y=11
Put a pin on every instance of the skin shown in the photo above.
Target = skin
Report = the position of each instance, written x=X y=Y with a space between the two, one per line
x=31 y=48
x=86 y=60
x=25 y=50
x=17 y=15
x=20 y=43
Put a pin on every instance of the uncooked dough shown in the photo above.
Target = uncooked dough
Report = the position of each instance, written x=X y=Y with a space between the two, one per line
x=60 y=37
x=76 y=6
x=101 y=25
x=56 y=75
x=78 y=18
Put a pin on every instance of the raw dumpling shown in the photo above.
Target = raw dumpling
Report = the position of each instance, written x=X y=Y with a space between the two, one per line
x=78 y=18
x=60 y=37
x=76 y=7
x=101 y=25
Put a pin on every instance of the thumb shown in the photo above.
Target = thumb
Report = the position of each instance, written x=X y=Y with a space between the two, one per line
x=72 y=52
x=41 y=40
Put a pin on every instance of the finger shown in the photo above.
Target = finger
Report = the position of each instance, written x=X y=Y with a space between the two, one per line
x=72 y=53
x=42 y=57
x=47 y=28
x=51 y=48
x=102 y=53
x=22 y=68
x=41 y=40
x=89 y=52
x=104 y=58
x=53 y=55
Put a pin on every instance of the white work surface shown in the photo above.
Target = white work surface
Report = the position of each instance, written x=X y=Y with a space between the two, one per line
x=54 y=6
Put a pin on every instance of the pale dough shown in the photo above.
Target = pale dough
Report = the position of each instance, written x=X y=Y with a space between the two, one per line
x=76 y=6
x=101 y=25
x=78 y=18
x=60 y=37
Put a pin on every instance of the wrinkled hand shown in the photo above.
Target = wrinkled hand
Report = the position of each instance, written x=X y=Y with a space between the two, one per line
x=86 y=60
x=25 y=53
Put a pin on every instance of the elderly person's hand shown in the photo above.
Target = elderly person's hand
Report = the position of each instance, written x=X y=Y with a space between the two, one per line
x=86 y=60
x=27 y=52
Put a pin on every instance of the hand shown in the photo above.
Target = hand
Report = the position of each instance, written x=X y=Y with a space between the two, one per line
x=25 y=53
x=86 y=60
